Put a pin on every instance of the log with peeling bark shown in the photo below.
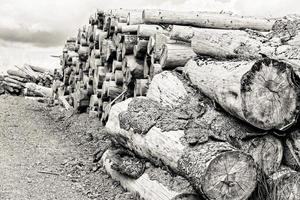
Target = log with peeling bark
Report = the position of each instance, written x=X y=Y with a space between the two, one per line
x=175 y=55
x=140 y=49
x=260 y=92
x=228 y=43
x=146 y=30
x=207 y=20
x=154 y=183
x=202 y=165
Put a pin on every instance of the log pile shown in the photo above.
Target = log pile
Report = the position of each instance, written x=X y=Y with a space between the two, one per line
x=212 y=97
x=28 y=80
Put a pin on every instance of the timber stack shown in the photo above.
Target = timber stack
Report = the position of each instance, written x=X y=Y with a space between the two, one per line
x=212 y=97
x=28 y=80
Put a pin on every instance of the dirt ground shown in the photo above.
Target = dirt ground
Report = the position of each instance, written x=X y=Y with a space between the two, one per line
x=46 y=153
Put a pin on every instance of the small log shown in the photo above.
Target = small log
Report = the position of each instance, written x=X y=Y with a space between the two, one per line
x=175 y=55
x=12 y=86
x=207 y=20
x=119 y=77
x=64 y=102
x=199 y=164
x=146 y=30
x=10 y=80
x=182 y=33
x=260 y=92
x=140 y=49
x=17 y=73
x=141 y=87
x=147 y=64
x=159 y=184
x=128 y=44
x=129 y=28
x=20 y=79
x=116 y=65
x=134 y=66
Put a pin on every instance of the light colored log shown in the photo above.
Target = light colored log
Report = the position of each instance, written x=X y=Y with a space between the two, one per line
x=259 y=92
x=147 y=30
x=64 y=102
x=155 y=69
x=207 y=20
x=175 y=55
x=116 y=65
x=135 y=17
x=141 y=87
x=146 y=186
x=134 y=67
x=10 y=80
x=40 y=90
x=129 y=28
x=202 y=165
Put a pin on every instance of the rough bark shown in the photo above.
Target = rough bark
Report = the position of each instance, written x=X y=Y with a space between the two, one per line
x=155 y=183
x=202 y=164
x=175 y=55
x=261 y=92
x=207 y=20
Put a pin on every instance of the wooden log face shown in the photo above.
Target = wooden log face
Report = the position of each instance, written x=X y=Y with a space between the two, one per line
x=292 y=151
x=260 y=92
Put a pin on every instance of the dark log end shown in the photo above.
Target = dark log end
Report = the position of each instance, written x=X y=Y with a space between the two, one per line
x=270 y=99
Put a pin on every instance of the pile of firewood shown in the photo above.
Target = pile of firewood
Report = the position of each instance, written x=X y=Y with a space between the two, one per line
x=210 y=98
x=27 y=80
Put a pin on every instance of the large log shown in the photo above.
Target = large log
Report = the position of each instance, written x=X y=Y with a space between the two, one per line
x=40 y=90
x=175 y=55
x=154 y=183
x=204 y=165
x=207 y=20
x=260 y=92
x=228 y=43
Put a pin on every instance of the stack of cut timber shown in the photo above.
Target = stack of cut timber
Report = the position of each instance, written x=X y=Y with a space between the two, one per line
x=214 y=120
x=28 y=80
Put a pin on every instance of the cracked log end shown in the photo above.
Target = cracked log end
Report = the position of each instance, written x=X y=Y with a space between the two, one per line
x=231 y=175
x=269 y=97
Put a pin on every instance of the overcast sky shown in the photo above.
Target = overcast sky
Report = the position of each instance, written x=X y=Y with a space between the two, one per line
x=32 y=30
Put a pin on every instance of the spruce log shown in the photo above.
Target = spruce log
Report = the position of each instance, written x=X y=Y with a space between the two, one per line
x=129 y=28
x=205 y=166
x=175 y=55
x=155 y=183
x=259 y=92
x=114 y=90
x=119 y=77
x=207 y=20
x=116 y=65
x=134 y=66
x=10 y=80
x=140 y=49
x=146 y=30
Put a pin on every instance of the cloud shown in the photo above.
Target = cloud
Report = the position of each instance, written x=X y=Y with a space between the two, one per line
x=39 y=38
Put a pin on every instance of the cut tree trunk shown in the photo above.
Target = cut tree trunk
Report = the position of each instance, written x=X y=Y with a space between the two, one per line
x=135 y=17
x=40 y=90
x=259 y=92
x=207 y=20
x=141 y=87
x=227 y=43
x=129 y=28
x=155 y=183
x=175 y=55
x=134 y=66
x=128 y=44
x=155 y=69
x=205 y=165
x=116 y=65
x=140 y=49
x=146 y=30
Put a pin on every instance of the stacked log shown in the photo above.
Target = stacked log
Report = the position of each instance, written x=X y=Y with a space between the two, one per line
x=28 y=80
x=214 y=120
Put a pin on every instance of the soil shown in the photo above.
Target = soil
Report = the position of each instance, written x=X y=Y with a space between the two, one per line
x=49 y=154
